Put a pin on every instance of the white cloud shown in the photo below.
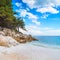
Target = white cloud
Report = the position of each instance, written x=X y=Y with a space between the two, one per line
x=39 y=3
x=48 y=9
x=53 y=32
x=33 y=30
x=38 y=31
x=36 y=22
x=44 y=16
x=57 y=2
x=27 y=9
x=22 y=12
x=43 y=6
x=32 y=17
x=30 y=3
x=18 y=4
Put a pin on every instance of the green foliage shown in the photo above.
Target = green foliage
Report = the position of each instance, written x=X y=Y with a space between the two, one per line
x=7 y=18
x=20 y=22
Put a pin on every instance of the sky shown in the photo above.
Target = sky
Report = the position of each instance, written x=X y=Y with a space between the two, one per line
x=41 y=17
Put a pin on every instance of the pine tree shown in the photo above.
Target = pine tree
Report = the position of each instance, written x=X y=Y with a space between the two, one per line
x=7 y=18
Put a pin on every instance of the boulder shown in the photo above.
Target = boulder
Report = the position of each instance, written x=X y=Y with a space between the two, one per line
x=2 y=33
x=3 y=41
x=7 y=41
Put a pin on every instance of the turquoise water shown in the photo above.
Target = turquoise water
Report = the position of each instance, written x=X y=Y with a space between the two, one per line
x=52 y=41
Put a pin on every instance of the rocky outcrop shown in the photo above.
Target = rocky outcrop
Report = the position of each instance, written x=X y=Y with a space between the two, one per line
x=7 y=41
x=3 y=41
x=24 y=38
x=18 y=36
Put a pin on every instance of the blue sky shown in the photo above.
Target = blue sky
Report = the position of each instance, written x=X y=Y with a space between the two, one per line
x=41 y=17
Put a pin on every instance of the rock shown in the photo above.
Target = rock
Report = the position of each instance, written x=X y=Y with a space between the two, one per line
x=18 y=36
x=8 y=32
x=11 y=41
x=7 y=41
x=3 y=41
x=22 y=41
x=29 y=38
x=24 y=38
x=2 y=33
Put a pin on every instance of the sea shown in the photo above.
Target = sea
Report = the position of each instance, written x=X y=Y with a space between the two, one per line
x=47 y=41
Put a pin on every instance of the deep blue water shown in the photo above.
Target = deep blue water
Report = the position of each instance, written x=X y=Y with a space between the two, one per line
x=48 y=40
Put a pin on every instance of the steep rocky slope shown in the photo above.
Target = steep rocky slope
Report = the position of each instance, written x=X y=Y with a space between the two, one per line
x=10 y=37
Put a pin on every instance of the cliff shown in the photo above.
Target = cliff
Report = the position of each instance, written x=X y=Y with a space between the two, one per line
x=10 y=37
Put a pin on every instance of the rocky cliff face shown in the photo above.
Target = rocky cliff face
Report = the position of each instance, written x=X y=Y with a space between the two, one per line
x=18 y=36
x=7 y=41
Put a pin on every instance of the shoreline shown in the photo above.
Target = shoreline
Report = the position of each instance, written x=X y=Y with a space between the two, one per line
x=30 y=52
x=48 y=46
x=45 y=45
